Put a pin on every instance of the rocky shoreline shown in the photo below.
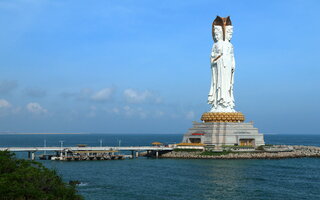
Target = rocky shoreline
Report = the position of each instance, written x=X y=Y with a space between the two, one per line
x=295 y=152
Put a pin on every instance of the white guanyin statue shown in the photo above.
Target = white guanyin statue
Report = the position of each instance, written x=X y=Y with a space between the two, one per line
x=222 y=66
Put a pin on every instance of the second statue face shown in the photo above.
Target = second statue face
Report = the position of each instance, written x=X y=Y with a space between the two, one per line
x=229 y=32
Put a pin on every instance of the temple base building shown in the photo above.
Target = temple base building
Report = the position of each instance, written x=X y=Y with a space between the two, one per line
x=220 y=129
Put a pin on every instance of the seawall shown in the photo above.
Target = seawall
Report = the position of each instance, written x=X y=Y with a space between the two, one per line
x=296 y=152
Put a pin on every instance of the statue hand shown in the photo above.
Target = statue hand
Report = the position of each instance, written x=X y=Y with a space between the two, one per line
x=215 y=59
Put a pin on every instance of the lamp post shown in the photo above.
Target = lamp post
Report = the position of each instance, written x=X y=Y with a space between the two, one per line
x=45 y=145
x=61 y=146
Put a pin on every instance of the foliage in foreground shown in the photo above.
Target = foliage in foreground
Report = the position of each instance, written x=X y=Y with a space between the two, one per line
x=24 y=179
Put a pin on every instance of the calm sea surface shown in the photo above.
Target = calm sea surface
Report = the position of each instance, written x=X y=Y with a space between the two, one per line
x=182 y=179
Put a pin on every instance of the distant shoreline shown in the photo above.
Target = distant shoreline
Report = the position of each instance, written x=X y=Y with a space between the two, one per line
x=41 y=133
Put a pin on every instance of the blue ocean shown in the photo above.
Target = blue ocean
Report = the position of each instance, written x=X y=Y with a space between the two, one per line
x=146 y=178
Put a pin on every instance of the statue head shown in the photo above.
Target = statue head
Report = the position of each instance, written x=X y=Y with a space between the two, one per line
x=229 y=32
x=224 y=23
x=217 y=33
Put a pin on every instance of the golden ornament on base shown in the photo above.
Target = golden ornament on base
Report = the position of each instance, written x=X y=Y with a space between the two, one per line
x=222 y=117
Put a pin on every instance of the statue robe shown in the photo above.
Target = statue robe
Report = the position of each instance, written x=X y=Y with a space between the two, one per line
x=221 y=90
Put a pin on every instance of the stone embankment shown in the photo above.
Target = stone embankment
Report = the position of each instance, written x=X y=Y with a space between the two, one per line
x=276 y=152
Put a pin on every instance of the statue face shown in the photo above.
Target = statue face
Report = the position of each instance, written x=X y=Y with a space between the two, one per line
x=229 y=32
x=218 y=35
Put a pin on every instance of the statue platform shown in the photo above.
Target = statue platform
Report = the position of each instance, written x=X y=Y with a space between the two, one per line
x=224 y=133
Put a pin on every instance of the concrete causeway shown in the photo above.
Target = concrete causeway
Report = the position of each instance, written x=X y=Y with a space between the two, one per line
x=130 y=148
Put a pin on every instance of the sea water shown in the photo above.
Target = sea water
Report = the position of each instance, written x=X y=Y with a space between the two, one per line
x=146 y=178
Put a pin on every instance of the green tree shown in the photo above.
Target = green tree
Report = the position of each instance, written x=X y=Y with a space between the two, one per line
x=24 y=179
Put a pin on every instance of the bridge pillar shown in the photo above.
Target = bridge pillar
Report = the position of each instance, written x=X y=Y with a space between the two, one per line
x=137 y=154
x=132 y=154
x=157 y=154
x=31 y=155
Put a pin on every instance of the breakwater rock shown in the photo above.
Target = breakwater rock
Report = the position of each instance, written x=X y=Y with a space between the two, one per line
x=276 y=152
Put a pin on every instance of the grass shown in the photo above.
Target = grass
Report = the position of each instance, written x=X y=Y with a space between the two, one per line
x=187 y=150
x=233 y=146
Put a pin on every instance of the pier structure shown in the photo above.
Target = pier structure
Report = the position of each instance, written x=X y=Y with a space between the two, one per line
x=88 y=153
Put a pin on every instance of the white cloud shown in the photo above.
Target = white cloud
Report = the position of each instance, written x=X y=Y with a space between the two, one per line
x=16 y=110
x=103 y=95
x=134 y=96
x=4 y=103
x=35 y=92
x=92 y=112
x=83 y=94
x=89 y=94
x=115 y=110
x=36 y=108
x=129 y=111
x=190 y=115
x=159 y=113
x=143 y=114
x=7 y=86
x=6 y=108
x=132 y=111
x=86 y=92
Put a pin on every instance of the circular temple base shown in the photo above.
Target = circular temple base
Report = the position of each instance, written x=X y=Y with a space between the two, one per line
x=222 y=117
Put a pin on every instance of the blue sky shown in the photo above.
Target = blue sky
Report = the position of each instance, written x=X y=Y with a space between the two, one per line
x=143 y=66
